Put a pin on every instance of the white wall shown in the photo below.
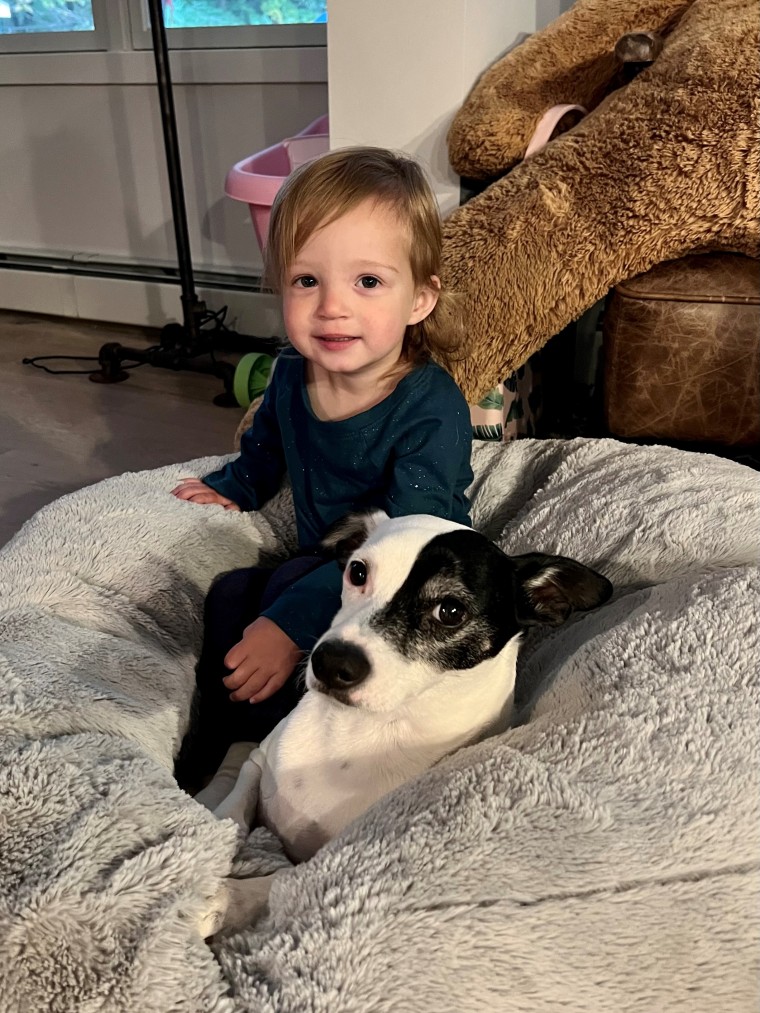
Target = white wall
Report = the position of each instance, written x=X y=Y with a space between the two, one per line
x=82 y=165
x=399 y=71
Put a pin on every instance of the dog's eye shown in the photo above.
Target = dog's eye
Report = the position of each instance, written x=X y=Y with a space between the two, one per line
x=450 y=612
x=357 y=573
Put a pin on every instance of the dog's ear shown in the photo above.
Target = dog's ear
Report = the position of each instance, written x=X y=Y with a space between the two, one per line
x=345 y=536
x=549 y=588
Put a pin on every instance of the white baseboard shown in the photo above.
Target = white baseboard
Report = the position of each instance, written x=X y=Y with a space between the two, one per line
x=139 y=302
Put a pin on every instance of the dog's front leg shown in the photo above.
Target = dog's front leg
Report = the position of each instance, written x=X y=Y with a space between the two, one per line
x=224 y=780
x=234 y=794
x=241 y=803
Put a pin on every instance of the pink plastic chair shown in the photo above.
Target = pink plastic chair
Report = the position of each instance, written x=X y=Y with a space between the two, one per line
x=256 y=179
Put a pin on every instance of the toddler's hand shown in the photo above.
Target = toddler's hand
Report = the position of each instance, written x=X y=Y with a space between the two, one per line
x=195 y=491
x=261 y=662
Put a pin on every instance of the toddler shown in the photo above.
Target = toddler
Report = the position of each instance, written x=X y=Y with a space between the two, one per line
x=358 y=414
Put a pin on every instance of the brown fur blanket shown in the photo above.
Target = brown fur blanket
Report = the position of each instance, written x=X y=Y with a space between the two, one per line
x=666 y=166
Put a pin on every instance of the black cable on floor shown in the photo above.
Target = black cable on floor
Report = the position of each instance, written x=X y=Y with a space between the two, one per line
x=79 y=358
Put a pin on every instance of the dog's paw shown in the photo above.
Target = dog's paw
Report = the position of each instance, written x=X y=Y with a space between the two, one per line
x=247 y=902
x=212 y=919
x=238 y=904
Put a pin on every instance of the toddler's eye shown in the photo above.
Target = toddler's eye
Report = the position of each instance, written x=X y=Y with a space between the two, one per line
x=369 y=281
x=450 y=612
x=357 y=573
x=305 y=281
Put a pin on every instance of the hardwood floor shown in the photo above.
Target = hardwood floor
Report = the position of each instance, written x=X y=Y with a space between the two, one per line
x=58 y=433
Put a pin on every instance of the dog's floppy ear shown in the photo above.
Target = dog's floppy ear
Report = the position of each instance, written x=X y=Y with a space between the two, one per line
x=549 y=588
x=345 y=536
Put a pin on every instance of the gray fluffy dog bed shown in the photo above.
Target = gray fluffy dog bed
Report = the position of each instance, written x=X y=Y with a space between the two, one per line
x=601 y=856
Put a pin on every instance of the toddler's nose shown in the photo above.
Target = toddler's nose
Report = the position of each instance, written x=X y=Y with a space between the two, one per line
x=331 y=304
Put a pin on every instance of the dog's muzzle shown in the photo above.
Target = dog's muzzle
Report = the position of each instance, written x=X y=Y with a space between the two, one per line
x=338 y=665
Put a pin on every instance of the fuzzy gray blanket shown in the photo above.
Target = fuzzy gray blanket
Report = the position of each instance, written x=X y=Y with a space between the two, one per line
x=600 y=856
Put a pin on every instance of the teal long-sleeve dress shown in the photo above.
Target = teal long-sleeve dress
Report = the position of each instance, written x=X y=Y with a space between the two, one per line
x=409 y=454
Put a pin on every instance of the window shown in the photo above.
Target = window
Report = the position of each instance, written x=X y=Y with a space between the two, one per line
x=39 y=25
x=28 y=26
x=46 y=16
x=204 y=24
x=226 y=13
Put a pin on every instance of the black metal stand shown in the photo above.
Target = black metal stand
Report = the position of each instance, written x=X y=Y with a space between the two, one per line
x=179 y=344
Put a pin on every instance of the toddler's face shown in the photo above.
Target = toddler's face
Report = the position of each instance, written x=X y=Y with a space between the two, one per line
x=350 y=294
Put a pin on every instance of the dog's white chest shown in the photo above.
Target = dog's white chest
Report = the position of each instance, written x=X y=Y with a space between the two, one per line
x=316 y=778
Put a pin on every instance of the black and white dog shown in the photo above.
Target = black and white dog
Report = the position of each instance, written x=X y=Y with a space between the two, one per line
x=419 y=661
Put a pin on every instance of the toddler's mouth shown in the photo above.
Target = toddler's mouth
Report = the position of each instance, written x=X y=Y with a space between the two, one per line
x=335 y=341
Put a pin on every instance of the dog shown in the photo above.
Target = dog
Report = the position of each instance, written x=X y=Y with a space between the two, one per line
x=419 y=661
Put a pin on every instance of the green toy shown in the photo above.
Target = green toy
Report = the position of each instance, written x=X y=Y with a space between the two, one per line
x=251 y=376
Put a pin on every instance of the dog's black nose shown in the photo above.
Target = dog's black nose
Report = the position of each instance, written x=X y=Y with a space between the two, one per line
x=339 y=665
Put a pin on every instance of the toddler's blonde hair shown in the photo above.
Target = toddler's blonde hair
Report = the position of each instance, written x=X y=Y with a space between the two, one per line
x=321 y=191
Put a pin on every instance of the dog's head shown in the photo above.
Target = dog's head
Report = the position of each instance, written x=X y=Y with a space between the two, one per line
x=424 y=598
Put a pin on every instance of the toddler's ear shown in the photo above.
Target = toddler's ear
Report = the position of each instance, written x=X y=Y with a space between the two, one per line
x=425 y=300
